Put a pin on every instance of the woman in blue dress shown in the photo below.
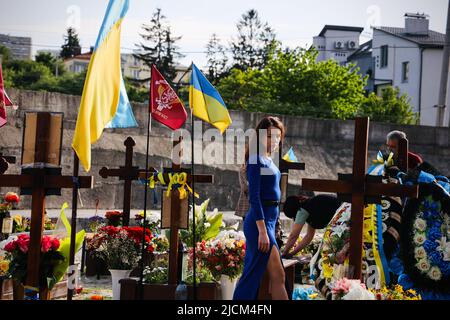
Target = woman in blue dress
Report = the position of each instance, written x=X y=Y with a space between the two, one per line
x=262 y=252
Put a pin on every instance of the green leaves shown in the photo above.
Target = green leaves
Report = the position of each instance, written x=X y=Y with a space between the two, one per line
x=294 y=83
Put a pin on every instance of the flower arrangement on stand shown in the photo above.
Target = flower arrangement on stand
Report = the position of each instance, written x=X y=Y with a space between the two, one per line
x=224 y=258
x=395 y=293
x=120 y=248
x=51 y=257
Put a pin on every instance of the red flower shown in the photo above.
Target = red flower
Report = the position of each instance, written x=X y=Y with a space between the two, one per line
x=55 y=244
x=46 y=244
x=11 y=246
x=12 y=197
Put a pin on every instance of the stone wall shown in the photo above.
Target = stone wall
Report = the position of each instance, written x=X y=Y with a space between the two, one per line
x=326 y=146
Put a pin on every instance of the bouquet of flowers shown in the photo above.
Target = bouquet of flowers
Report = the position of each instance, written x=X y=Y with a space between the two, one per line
x=4 y=267
x=223 y=255
x=95 y=222
x=207 y=225
x=21 y=224
x=395 y=293
x=9 y=200
x=120 y=247
x=114 y=218
x=345 y=289
x=157 y=272
x=17 y=254
x=160 y=243
x=153 y=221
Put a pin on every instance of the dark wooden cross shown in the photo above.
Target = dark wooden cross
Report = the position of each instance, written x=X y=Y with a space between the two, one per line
x=128 y=173
x=39 y=181
x=175 y=208
x=285 y=167
x=359 y=188
x=5 y=161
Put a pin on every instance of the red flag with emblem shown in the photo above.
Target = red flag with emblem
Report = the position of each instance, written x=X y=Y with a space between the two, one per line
x=165 y=105
x=4 y=100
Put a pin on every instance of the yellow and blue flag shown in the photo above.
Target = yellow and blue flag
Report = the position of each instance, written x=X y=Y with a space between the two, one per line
x=104 y=102
x=290 y=156
x=206 y=102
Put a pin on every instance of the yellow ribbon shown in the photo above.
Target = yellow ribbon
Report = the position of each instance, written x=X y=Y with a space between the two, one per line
x=179 y=178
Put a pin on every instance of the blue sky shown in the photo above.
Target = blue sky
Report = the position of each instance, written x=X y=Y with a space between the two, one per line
x=295 y=21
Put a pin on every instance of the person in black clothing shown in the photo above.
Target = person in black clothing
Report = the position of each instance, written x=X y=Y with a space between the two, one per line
x=316 y=212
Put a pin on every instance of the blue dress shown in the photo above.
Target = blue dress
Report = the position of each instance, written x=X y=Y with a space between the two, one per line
x=263 y=184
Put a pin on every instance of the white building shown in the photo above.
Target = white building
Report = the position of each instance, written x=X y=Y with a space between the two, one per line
x=337 y=42
x=410 y=58
x=134 y=68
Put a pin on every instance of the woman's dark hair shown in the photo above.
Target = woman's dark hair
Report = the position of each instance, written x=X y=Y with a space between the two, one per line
x=292 y=205
x=265 y=124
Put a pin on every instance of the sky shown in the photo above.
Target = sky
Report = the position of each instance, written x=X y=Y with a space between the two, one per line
x=295 y=22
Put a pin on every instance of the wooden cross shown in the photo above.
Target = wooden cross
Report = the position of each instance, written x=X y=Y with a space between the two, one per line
x=361 y=189
x=285 y=167
x=175 y=208
x=39 y=181
x=127 y=173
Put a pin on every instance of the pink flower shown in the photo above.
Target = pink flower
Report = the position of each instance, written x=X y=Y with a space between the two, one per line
x=11 y=246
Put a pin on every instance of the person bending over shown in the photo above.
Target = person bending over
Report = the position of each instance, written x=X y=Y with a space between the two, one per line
x=316 y=212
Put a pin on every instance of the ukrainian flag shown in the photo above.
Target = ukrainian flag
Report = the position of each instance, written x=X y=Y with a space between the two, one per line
x=104 y=102
x=206 y=102
x=290 y=156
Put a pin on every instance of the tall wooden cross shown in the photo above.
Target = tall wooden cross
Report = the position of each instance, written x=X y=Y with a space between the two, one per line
x=285 y=167
x=128 y=173
x=360 y=188
x=175 y=208
x=39 y=180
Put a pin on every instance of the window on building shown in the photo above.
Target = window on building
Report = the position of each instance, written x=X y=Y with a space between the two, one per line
x=405 y=71
x=384 y=56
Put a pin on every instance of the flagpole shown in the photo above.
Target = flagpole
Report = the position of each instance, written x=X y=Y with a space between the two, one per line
x=144 y=224
x=73 y=231
x=193 y=206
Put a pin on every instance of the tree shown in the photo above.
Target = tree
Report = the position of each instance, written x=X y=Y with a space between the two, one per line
x=254 y=43
x=293 y=83
x=55 y=65
x=217 y=59
x=160 y=48
x=71 y=46
x=391 y=107
x=5 y=54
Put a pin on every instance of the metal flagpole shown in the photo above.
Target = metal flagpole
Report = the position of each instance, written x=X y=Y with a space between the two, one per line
x=72 y=270
x=144 y=224
x=193 y=207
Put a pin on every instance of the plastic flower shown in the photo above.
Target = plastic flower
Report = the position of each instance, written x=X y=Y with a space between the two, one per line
x=12 y=197
x=423 y=265
x=419 y=238
x=4 y=266
x=420 y=224
x=420 y=253
x=435 y=273
x=327 y=270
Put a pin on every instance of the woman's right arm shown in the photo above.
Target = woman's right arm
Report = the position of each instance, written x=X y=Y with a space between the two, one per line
x=293 y=237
